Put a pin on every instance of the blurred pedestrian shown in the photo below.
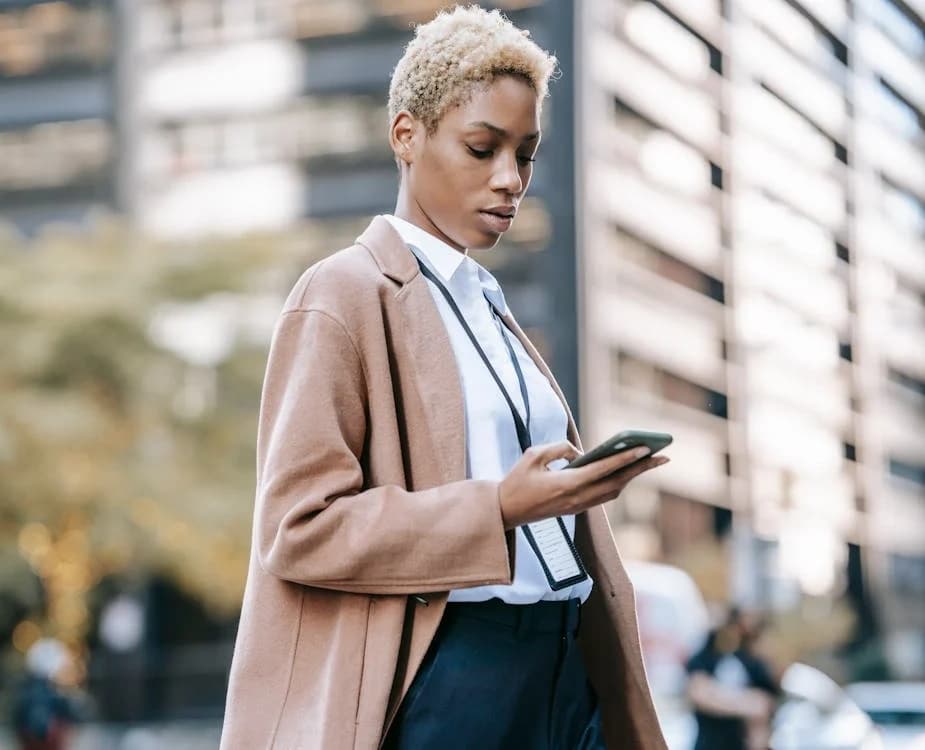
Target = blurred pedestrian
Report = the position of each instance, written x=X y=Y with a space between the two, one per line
x=732 y=687
x=394 y=598
x=43 y=713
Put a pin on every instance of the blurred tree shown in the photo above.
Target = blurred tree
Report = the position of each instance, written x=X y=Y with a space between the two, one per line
x=129 y=386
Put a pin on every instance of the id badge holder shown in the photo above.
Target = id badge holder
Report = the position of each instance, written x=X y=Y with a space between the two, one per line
x=556 y=552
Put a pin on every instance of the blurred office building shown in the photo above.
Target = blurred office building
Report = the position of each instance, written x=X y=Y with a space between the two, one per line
x=725 y=238
x=752 y=255
x=58 y=124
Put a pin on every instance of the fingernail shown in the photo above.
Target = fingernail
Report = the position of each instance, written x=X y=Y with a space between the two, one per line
x=640 y=452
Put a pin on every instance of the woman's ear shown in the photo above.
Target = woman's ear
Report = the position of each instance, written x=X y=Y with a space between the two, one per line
x=402 y=136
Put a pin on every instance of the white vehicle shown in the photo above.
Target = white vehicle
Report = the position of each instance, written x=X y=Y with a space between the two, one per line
x=673 y=624
x=898 y=710
x=819 y=715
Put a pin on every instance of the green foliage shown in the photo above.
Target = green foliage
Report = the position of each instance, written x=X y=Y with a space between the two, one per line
x=121 y=449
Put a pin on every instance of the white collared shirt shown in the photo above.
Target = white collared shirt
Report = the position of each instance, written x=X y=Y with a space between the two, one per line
x=492 y=447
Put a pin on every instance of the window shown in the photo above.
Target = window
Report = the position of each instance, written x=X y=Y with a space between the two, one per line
x=682 y=523
x=54 y=35
x=893 y=107
x=669 y=267
x=646 y=377
x=908 y=471
x=907 y=573
x=171 y=24
x=789 y=126
x=797 y=29
x=907 y=382
x=53 y=155
x=668 y=41
x=903 y=207
x=894 y=22
x=325 y=127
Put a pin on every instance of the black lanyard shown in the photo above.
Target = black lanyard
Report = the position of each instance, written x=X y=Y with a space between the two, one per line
x=523 y=428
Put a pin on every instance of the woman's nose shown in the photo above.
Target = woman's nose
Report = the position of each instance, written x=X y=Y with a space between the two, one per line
x=507 y=175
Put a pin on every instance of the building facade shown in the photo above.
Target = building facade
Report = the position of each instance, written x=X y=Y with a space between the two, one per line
x=59 y=141
x=751 y=279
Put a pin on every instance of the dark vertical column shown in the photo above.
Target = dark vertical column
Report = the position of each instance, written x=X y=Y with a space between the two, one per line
x=559 y=262
x=857 y=593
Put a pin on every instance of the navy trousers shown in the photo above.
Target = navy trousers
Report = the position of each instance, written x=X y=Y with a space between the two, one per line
x=501 y=677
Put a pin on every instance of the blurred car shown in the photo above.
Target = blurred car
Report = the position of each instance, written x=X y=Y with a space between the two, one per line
x=673 y=623
x=817 y=714
x=898 y=710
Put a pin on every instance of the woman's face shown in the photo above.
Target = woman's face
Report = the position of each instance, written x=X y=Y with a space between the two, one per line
x=464 y=183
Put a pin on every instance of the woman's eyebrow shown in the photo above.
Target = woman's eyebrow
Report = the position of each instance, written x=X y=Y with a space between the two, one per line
x=500 y=132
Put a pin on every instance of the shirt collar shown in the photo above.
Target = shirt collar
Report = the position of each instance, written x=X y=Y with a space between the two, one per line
x=491 y=288
x=444 y=259
x=447 y=261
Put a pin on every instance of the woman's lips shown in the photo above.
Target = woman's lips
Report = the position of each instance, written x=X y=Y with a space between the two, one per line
x=495 y=222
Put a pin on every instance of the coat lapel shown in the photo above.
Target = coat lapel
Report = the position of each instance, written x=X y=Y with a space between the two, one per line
x=431 y=352
x=438 y=379
x=428 y=348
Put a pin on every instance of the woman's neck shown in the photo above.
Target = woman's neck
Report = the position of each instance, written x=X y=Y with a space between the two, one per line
x=411 y=211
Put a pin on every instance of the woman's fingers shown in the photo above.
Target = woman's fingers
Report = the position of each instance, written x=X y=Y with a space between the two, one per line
x=612 y=485
x=541 y=455
x=596 y=471
x=620 y=479
x=640 y=467
x=528 y=494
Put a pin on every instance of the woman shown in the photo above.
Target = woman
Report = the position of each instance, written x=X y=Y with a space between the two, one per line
x=396 y=595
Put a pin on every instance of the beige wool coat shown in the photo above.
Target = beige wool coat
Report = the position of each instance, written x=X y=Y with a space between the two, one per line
x=363 y=509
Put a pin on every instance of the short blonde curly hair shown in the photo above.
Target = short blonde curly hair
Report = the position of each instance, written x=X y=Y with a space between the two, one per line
x=457 y=51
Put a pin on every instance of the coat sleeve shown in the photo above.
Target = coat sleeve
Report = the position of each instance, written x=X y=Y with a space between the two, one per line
x=315 y=524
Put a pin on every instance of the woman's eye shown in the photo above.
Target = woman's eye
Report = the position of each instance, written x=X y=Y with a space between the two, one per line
x=478 y=153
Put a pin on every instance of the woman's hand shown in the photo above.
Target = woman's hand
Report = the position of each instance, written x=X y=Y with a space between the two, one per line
x=531 y=492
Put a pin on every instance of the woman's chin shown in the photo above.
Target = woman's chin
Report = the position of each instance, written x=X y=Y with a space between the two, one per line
x=484 y=240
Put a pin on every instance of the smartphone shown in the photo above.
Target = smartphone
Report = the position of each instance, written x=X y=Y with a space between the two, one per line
x=622 y=441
